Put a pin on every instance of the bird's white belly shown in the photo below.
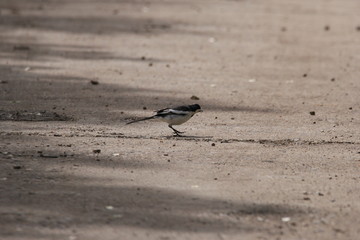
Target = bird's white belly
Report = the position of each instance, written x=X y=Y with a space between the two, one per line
x=176 y=119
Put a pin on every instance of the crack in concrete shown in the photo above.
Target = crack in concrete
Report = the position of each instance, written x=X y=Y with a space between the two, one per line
x=277 y=142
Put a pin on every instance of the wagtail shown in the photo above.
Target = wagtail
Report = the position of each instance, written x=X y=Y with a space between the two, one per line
x=174 y=116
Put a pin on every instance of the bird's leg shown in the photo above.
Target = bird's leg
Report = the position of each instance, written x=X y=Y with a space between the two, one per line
x=176 y=131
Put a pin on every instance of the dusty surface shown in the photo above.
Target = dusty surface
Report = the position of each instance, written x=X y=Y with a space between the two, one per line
x=254 y=165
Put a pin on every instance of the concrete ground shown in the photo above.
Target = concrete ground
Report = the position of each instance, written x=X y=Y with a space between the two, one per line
x=274 y=155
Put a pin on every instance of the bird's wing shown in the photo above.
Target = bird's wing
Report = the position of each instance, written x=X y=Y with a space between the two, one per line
x=162 y=111
x=170 y=111
x=178 y=112
x=182 y=108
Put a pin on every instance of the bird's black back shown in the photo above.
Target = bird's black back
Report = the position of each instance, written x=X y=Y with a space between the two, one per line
x=186 y=108
x=190 y=108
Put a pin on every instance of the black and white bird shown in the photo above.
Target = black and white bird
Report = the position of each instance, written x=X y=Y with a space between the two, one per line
x=174 y=116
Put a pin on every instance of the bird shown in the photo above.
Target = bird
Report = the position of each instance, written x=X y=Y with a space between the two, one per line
x=173 y=116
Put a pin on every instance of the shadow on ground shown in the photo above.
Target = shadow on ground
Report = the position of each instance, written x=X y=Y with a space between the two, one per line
x=39 y=193
x=75 y=96
x=78 y=99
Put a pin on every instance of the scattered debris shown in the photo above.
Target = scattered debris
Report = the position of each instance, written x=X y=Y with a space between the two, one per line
x=333 y=79
x=97 y=151
x=285 y=219
x=193 y=97
x=24 y=115
x=21 y=48
x=116 y=154
x=17 y=167
x=339 y=230
x=306 y=198
x=213 y=144
x=312 y=113
x=327 y=28
x=305 y=75
x=3 y=81
x=252 y=80
x=94 y=82
x=109 y=207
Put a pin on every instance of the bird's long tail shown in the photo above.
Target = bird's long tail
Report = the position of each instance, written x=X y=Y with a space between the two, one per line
x=142 y=119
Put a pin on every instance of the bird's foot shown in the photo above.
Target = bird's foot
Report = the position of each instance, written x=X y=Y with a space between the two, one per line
x=178 y=133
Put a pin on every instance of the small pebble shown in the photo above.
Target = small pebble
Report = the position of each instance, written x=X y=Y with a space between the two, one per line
x=312 y=113
x=193 y=97
x=213 y=144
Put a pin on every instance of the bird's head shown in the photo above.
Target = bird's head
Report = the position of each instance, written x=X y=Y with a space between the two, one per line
x=196 y=108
